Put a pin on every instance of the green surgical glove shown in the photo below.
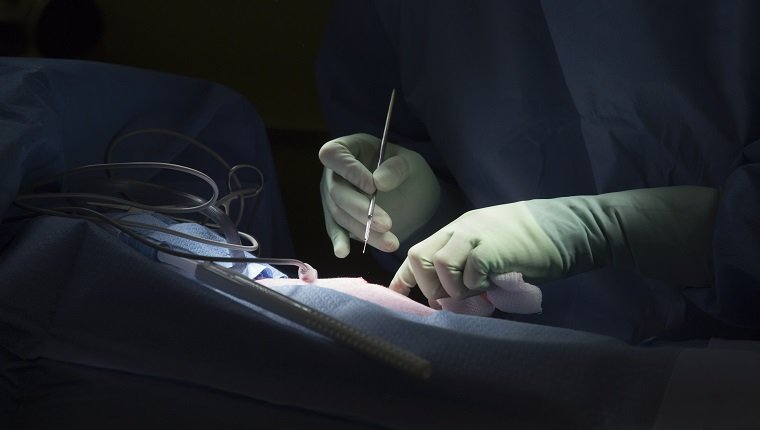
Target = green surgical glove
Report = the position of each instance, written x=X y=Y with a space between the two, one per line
x=662 y=233
x=408 y=192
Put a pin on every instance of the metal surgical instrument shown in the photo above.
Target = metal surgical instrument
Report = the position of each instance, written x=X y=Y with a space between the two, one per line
x=380 y=158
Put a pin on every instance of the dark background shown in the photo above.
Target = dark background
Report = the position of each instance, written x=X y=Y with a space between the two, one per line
x=263 y=49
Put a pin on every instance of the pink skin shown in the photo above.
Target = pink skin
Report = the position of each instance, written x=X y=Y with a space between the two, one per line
x=362 y=289
x=511 y=294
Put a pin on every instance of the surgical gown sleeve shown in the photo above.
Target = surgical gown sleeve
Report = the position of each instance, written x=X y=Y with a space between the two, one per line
x=357 y=67
x=668 y=94
x=356 y=70
x=736 y=298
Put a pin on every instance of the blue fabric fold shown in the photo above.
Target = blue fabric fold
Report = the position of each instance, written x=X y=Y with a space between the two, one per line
x=252 y=270
x=61 y=114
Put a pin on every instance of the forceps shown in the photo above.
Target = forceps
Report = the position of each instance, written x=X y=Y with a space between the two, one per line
x=381 y=156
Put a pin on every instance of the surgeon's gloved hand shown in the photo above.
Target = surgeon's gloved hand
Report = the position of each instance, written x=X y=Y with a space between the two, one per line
x=408 y=192
x=663 y=233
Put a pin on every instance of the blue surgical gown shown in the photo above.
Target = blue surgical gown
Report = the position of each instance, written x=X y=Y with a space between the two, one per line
x=518 y=100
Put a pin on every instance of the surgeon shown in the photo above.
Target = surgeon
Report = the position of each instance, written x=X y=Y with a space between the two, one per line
x=610 y=153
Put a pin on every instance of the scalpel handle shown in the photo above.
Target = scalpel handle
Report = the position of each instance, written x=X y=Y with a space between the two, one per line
x=380 y=158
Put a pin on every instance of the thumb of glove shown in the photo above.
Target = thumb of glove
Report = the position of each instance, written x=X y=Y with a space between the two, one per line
x=392 y=173
x=408 y=190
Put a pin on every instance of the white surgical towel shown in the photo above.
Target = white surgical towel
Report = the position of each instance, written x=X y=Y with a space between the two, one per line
x=511 y=294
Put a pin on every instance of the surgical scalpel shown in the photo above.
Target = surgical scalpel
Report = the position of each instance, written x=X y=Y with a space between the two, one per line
x=380 y=158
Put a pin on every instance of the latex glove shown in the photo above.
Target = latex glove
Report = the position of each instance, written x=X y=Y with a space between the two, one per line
x=408 y=192
x=664 y=233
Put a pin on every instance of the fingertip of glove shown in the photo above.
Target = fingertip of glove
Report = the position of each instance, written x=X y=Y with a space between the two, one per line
x=390 y=175
x=341 y=251
x=390 y=242
x=328 y=149
x=399 y=288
